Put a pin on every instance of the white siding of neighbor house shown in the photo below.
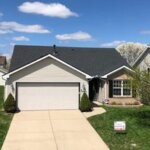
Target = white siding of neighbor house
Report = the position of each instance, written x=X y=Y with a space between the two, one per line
x=2 y=82
x=144 y=64
x=47 y=70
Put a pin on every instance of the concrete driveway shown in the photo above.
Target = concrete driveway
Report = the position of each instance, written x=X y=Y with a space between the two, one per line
x=52 y=130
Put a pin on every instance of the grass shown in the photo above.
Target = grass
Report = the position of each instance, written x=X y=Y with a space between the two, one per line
x=5 y=119
x=1 y=97
x=138 y=128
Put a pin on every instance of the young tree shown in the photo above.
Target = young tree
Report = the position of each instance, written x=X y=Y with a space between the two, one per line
x=10 y=104
x=141 y=85
x=130 y=51
x=85 y=103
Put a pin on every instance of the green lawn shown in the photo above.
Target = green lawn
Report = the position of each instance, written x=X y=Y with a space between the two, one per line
x=5 y=119
x=138 y=128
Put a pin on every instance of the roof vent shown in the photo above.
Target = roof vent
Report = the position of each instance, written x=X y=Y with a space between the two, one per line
x=54 y=50
x=54 y=46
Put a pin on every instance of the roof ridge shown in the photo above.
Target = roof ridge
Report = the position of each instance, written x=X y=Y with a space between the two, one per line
x=82 y=47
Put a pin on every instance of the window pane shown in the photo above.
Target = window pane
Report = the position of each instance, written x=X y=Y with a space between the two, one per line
x=116 y=91
x=126 y=84
x=126 y=91
x=126 y=87
x=116 y=83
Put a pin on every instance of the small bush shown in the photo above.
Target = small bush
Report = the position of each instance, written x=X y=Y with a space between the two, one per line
x=119 y=103
x=132 y=103
x=113 y=103
x=129 y=103
x=85 y=103
x=136 y=103
x=10 y=104
x=145 y=98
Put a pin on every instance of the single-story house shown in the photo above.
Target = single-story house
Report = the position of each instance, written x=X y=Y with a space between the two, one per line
x=143 y=61
x=44 y=77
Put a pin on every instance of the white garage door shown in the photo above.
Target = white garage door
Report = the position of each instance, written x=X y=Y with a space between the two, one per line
x=43 y=96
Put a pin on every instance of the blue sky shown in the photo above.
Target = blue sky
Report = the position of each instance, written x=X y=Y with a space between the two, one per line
x=97 y=23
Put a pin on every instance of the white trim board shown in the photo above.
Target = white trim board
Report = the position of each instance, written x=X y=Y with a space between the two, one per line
x=122 y=67
x=49 y=55
x=136 y=61
x=3 y=70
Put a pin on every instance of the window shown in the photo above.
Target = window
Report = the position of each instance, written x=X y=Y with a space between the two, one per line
x=116 y=87
x=121 y=88
x=126 y=87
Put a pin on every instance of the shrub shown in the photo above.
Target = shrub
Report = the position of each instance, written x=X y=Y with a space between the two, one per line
x=132 y=103
x=119 y=103
x=129 y=103
x=140 y=83
x=85 y=103
x=145 y=97
x=113 y=103
x=10 y=104
x=136 y=103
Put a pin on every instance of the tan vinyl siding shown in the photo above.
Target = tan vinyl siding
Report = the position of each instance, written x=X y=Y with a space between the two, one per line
x=144 y=64
x=47 y=70
x=104 y=90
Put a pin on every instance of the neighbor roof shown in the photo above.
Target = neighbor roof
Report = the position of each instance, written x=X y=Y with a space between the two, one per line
x=2 y=60
x=92 y=61
x=143 y=54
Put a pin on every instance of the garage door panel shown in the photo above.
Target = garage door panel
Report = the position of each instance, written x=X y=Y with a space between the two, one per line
x=48 y=96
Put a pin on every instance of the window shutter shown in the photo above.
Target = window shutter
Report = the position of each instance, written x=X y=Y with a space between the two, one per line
x=110 y=88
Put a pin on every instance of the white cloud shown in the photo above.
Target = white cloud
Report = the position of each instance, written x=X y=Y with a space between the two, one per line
x=5 y=31
x=112 y=44
x=47 y=9
x=12 y=44
x=145 y=32
x=21 y=38
x=14 y=26
x=78 y=36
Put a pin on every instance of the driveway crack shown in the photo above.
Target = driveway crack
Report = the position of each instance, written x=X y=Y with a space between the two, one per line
x=52 y=129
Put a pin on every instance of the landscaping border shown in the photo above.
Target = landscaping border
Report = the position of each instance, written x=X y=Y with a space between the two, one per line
x=124 y=106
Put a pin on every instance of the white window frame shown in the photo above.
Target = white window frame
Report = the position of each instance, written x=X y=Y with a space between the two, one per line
x=122 y=88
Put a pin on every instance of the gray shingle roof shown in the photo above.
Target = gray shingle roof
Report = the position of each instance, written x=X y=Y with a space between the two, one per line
x=92 y=61
x=141 y=57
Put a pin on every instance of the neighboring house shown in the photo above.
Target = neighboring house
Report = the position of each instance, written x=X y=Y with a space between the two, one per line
x=43 y=77
x=3 y=62
x=143 y=61
x=3 y=70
